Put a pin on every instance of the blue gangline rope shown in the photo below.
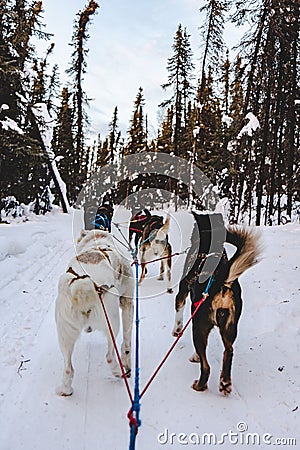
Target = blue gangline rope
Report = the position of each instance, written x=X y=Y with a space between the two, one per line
x=135 y=409
x=211 y=279
x=143 y=242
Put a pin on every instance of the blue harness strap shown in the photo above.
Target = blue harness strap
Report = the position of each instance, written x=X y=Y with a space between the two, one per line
x=101 y=222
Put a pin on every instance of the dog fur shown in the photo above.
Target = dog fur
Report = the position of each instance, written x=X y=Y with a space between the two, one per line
x=158 y=246
x=97 y=266
x=223 y=306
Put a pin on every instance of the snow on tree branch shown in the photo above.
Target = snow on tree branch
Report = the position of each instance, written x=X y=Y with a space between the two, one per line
x=251 y=126
x=8 y=123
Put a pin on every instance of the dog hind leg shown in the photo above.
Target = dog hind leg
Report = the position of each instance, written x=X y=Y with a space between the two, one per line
x=228 y=337
x=200 y=337
x=130 y=236
x=110 y=300
x=169 y=265
x=67 y=336
x=179 y=307
x=136 y=239
x=162 y=271
x=127 y=319
x=143 y=266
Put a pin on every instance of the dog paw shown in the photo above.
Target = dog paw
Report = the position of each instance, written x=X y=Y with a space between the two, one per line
x=194 y=358
x=225 y=387
x=126 y=363
x=109 y=358
x=160 y=278
x=127 y=372
x=64 y=392
x=177 y=329
x=197 y=387
x=117 y=373
x=170 y=291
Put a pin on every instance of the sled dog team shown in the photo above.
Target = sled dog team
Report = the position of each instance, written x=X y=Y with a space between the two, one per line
x=99 y=270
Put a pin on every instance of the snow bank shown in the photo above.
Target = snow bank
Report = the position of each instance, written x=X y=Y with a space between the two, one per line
x=10 y=247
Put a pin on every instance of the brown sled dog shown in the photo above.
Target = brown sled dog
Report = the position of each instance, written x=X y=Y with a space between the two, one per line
x=155 y=244
x=223 y=306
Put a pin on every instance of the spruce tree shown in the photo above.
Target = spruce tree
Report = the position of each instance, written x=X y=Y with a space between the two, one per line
x=165 y=135
x=180 y=81
x=271 y=53
x=137 y=136
x=114 y=136
x=23 y=165
x=212 y=36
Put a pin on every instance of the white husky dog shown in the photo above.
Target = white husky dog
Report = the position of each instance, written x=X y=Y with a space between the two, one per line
x=97 y=267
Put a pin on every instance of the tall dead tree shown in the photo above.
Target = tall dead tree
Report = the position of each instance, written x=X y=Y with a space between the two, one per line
x=77 y=69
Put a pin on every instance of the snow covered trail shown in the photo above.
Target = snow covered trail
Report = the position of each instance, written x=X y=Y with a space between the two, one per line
x=266 y=371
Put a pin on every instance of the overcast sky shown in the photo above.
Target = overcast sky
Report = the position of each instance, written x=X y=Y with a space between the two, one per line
x=130 y=42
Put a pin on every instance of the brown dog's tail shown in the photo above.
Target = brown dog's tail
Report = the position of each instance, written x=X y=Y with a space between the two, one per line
x=166 y=225
x=249 y=249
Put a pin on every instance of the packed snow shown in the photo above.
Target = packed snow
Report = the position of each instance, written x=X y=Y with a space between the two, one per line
x=265 y=399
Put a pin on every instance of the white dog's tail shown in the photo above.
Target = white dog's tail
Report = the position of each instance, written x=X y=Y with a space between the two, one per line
x=83 y=293
x=249 y=249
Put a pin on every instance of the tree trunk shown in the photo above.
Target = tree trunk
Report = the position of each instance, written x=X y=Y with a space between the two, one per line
x=51 y=170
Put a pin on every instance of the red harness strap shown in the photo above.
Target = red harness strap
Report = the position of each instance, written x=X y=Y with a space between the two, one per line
x=197 y=304
x=135 y=229
x=139 y=218
x=202 y=300
x=114 y=343
x=133 y=421
x=158 y=259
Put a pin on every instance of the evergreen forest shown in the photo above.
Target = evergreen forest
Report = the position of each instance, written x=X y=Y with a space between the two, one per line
x=237 y=118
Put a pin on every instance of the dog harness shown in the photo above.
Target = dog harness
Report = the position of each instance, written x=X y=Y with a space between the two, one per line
x=197 y=262
x=101 y=222
x=142 y=218
x=77 y=277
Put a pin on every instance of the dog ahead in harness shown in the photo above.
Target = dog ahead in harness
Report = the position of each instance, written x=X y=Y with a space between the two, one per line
x=223 y=306
x=137 y=225
x=155 y=244
x=103 y=218
x=100 y=217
